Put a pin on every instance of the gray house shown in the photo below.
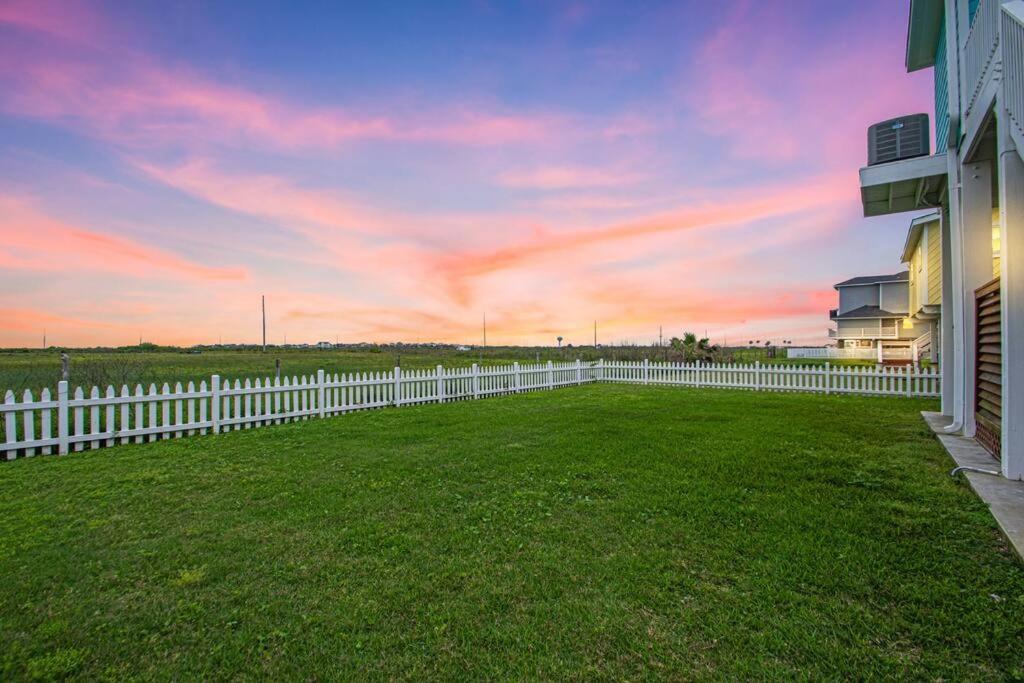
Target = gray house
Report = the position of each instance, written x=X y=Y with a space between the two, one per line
x=873 y=311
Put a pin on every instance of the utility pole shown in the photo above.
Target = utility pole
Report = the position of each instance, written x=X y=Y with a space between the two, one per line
x=44 y=337
x=263 y=306
x=485 y=329
x=595 y=334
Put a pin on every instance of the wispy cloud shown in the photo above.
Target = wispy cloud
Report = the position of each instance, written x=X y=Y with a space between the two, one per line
x=31 y=240
x=568 y=177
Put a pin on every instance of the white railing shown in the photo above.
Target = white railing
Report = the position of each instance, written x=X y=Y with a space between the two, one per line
x=921 y=346
x=1013 y=69
x=74 y=421
x=830 y=352
x=865 y=333
x=980 y=51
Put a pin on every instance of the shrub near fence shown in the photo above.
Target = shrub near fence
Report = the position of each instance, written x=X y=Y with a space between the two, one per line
x=74 y=421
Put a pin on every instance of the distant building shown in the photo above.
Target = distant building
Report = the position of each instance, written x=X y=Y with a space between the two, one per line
x=873 y=312
x=324 y=345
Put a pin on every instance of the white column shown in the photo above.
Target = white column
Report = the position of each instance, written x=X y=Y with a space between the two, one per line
x=976 y=207
x=933 y=332
x=1011 y=214
x=946 y=336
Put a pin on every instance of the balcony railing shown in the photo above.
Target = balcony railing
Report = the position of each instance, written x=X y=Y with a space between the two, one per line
x=865 y=333
x=980 y=51
x=1013 y=69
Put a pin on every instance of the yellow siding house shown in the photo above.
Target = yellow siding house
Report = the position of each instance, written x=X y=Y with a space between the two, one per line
x=922 y=254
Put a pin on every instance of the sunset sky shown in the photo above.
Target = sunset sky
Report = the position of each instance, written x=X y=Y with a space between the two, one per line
x=386 y=172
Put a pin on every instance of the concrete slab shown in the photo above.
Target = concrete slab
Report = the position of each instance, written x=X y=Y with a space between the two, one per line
x=1004 y=498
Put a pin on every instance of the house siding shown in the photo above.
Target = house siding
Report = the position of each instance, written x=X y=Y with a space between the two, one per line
x=934 y=263
x=941 y=93
x=894 y=297
x=857 y=296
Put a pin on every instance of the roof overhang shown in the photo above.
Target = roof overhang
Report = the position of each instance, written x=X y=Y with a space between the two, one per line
x=914 y=233
x=928 y=312
x=908 y=185
x=923 y=33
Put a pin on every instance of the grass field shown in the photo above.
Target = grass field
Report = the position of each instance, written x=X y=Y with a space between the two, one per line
x=599 y=532
x=22 y=369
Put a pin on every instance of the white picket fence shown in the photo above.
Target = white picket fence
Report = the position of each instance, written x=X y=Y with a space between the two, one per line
x=73 y=422
x=825 y=379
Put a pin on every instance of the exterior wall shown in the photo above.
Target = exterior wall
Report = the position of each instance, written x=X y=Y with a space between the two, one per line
x=855 y=297
x=912 y=329
x=918 y=278
x=941 y=93
x=934 y=260
x=996 y=253
x=894 y=296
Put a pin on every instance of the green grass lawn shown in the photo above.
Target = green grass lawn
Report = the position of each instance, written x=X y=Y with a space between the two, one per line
x=597 y=532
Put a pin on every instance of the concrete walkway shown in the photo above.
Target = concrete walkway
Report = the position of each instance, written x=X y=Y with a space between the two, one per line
x=1005 y=498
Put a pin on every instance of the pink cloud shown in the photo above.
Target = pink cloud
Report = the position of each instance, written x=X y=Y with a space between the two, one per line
x=31 y=240
x=771 y=94
x=567 y=177
x=129 y=99
x=70 y=20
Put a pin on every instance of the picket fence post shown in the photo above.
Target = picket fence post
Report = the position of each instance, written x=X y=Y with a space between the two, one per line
x=11 y=425
x=476 y=381
x=440 y=383
x=551 y=375
x=757 y=375
x=320 y=392
x=646 y=371
x=910 y=381
x=600 y=369
x=215 y=402
x=62 y=417
x=515 y=377
x=828 y=378
x=398 y=386
x=579 y=372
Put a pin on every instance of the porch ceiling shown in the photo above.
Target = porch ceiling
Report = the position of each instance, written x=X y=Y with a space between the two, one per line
x=907 y=185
